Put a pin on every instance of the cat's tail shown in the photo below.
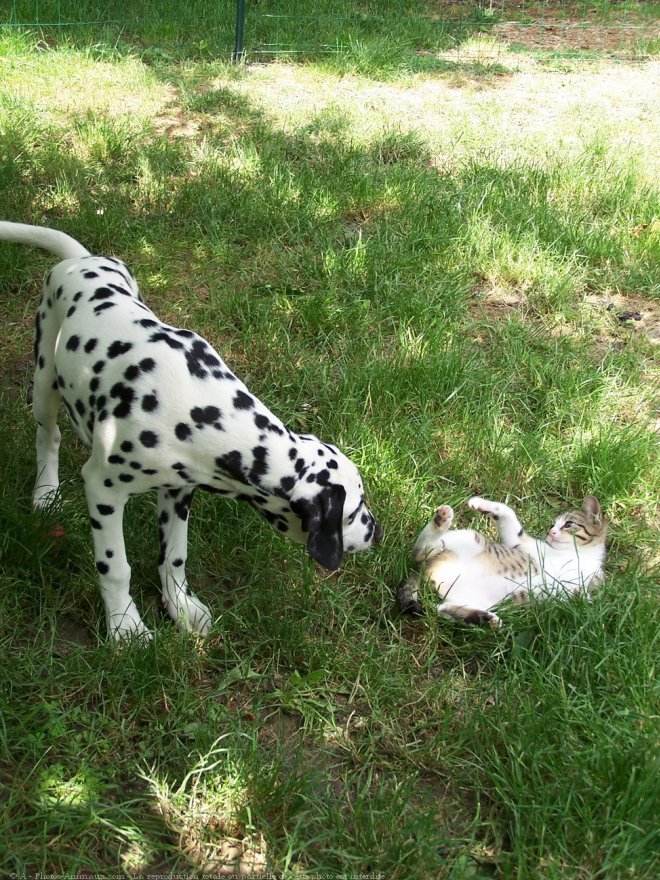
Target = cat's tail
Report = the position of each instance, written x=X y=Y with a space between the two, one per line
x=407 y=596
x=58 y=243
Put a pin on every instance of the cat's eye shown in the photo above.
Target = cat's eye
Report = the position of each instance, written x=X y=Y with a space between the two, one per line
x=569 y=524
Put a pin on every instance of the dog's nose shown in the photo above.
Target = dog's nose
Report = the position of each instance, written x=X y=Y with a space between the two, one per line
x=378 y=534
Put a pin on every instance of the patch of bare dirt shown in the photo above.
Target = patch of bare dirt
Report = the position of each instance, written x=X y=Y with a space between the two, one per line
x=633 y=312
x=579 y=36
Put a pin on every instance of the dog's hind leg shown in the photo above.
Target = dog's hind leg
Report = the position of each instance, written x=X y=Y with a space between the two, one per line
x=45 y=404
x=106 y=513
x=182 y=605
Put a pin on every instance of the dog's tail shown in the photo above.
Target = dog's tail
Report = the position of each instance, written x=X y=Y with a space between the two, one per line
x=58 y=243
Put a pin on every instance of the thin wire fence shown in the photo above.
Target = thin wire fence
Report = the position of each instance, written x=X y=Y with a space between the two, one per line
x=480 y=31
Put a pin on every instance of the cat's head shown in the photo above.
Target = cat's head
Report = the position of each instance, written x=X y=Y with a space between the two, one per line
x=580 y=528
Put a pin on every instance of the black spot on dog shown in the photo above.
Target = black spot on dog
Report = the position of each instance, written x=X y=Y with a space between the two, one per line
x=72 y=343
x=149 y=439
x=242 y=400
x=126 y=478
x=183 y=431
x=147 y=323
x=95 y=523
x=89 y=274
x=164 y=517
x=149 y=402
x=119 y=348
x=98 y=367
x=136 y=465
x=116 y=459
x=77 y=296
x=231 y=464
x=259 y=463
x=147 y=365
x=332 y=464
x=101 y=293
x=126 y=396
x=182 y=507
x=177 y=563
x=199 y=356
x=80 y=407
x=204 y=415
x=126 y=446
x=41 y=362
x=264 y=424
x=90 y=345
x=131 y=373
x=103 y=307
x=167 y=338
x=71 y=311
x=287 y=483
x=105 y=509
x=102 y=567
x=94 y=384
x=108 y=483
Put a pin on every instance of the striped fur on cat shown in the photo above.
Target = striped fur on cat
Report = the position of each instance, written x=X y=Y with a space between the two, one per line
x=472 y=575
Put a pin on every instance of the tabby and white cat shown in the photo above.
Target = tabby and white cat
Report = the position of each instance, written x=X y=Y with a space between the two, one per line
x=472 y=574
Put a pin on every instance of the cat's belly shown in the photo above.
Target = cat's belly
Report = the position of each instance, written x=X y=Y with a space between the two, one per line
x=472 y=584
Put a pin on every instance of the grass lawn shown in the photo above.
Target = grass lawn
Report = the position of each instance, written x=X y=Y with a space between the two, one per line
x=451 y=270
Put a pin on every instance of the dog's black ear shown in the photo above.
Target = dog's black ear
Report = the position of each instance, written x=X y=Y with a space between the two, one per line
x=322 y=517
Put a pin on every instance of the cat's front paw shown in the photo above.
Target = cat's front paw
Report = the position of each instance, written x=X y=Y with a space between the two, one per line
x=443 y=517
x=492 y=508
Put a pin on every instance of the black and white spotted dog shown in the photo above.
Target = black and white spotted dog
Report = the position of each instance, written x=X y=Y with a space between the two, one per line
x=161 y=410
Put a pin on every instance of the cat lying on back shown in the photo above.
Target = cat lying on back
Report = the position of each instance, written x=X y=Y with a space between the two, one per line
x=472 y=574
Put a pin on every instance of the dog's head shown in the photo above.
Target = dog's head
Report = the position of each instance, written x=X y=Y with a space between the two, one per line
x=328 y=500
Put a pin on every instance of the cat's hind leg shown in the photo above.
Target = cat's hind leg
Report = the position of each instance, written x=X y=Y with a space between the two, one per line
x=469 y=616
x=508 y=524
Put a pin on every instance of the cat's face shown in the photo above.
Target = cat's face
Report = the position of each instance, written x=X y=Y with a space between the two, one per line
x=579 y=528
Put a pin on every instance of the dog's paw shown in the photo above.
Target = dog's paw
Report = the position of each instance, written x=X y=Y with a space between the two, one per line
x=443 y=517
x=189 y=614
x=127 y=625
x=44 y=497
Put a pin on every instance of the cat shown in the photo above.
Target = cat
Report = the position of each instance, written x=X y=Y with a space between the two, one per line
x=472 y=575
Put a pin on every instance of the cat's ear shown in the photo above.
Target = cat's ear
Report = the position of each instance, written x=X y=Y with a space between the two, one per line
x=591 y=507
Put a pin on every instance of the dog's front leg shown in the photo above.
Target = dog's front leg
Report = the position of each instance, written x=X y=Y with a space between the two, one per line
x=182 y=605
x=106 y=512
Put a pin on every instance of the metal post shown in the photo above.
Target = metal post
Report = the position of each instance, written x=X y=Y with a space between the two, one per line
x=240 y=30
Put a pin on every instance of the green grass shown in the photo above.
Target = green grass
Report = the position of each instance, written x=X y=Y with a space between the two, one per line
x=418 y=267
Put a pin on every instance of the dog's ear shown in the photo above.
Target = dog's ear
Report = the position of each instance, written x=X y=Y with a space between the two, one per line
x=322 y=517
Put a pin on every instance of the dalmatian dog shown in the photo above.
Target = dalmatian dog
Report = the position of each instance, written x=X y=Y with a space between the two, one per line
x=160 y=409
